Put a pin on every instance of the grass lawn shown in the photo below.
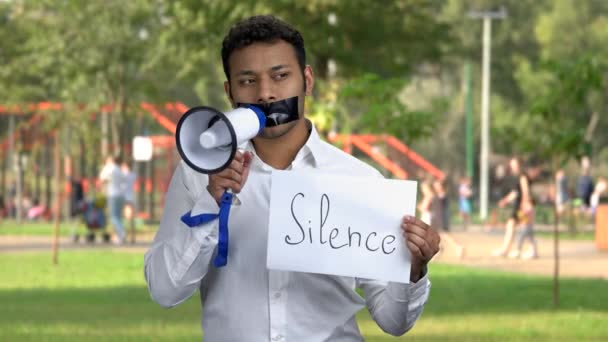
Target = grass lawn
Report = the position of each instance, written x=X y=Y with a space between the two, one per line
x=10 y=227
x=101 y=296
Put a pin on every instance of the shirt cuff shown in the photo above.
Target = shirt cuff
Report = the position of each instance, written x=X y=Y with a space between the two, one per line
x=405 y=292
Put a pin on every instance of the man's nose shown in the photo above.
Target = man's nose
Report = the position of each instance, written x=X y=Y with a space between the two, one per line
x=266 y=91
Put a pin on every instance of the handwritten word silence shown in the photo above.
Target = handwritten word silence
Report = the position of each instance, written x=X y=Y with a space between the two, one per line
x=337 y=237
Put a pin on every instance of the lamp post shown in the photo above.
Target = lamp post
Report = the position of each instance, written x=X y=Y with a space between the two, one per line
x=487 y=17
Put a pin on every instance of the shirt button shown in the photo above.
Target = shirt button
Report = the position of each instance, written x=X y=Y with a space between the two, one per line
x=278 y=338
x=277 y=295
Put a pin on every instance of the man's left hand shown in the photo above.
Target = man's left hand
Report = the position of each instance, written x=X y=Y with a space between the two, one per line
x=423 y=243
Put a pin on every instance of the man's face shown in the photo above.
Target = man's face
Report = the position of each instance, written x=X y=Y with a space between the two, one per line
x=268 y=72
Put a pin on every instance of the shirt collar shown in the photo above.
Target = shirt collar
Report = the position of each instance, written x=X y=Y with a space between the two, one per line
x=313 y=147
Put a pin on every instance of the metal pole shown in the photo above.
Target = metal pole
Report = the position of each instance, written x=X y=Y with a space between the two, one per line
x=11 y=154
x=19 y=210
x=56 y=197
x=152 y=189
x=105 y=127
x=485 y=118
x=3 y=176
x=469 y=120
x=485 y=106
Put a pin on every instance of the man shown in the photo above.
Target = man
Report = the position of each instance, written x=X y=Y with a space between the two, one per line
x=113 y=178
x=128 y=190
x=584 y=186
x=521 y=198
x=264 y=62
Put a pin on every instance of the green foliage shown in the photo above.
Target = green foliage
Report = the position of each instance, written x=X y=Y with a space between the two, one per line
x=565 y=104
x=82 y=55
x=373 y=104
x=540 y=61
x=387 y=38
x=86 y=53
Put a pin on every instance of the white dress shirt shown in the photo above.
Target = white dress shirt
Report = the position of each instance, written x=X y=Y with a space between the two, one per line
x=244 y=301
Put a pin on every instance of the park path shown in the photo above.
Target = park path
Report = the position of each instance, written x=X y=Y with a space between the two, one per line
x=577 y=258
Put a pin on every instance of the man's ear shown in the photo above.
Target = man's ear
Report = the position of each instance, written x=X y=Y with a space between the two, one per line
x=309 y=80
x=229 y=93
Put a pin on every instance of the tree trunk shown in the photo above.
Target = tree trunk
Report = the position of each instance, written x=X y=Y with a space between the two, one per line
x=83 y=159
x=37 y=174
x=152 y=188
x=48 y=172
x=595 y=118
x=105 y=151
x=67 y=167
x=115 y=134
x=555 y=258
x=57 y=198
x=3 y=176
x=18 y=188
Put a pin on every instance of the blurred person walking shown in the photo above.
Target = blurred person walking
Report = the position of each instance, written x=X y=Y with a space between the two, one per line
x=520 y=193
x=526 y=217
x=561 y=192
x=113 y=178
x=3 y=208
x=584 y=190
x=440 y=215
x=425 y=205
x=599 y=190
x=464 y=200
x=129 y=178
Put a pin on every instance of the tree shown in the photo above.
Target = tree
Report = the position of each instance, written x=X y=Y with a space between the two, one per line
x=554 y=123
x=346 y=32
x=85 y=55
x=372 y=105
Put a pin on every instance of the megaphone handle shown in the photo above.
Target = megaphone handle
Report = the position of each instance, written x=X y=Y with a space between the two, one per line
x=235 y=198
x=221 y=259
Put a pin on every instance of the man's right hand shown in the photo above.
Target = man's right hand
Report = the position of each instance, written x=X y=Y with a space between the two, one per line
x=233 y=177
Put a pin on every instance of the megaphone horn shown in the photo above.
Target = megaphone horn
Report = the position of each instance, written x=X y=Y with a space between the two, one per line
x=207 y=139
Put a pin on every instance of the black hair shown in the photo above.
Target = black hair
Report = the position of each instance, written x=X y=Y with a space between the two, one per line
x=261 y=28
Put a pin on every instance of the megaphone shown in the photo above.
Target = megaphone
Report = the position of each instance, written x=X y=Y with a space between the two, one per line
x=207 y=139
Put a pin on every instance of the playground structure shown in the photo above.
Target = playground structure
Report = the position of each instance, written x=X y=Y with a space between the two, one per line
x=154 y=176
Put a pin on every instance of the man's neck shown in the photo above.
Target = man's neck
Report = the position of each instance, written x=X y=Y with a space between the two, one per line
x=280 y=152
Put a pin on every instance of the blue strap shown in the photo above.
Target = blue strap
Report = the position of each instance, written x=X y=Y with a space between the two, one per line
x=195 y=221
x=222 y=247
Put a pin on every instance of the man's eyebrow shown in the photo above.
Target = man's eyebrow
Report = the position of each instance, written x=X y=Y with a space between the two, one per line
x=279 y=67
x=245 y=72
x=251 y=72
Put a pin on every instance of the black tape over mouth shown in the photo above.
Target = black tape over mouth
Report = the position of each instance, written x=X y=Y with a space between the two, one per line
x=278 y=112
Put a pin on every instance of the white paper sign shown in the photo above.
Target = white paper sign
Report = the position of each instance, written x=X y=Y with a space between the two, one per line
x=347 y=226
